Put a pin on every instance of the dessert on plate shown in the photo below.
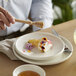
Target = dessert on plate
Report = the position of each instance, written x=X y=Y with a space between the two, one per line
x=42 y=44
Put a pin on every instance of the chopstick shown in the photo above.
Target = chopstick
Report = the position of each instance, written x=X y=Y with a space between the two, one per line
x=37 y=23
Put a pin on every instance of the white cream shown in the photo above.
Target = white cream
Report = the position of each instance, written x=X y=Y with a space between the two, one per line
x=46 y=46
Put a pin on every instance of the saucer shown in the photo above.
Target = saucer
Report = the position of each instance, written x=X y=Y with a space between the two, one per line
x=55 y=60
x=35 y=54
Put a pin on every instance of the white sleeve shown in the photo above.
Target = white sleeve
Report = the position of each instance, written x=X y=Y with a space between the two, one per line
x=41 y=10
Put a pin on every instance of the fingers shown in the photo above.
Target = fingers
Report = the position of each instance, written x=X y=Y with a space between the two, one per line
x=9 y=17
x=4 y=19
x=2 y=27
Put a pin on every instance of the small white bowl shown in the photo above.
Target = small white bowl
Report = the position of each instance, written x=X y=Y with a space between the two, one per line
x=30 y=67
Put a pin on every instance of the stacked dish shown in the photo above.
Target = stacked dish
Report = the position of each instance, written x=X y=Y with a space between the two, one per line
x=54 y=55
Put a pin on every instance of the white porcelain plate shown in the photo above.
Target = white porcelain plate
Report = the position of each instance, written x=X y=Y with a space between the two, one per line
x=51 y=61
x=58 y=46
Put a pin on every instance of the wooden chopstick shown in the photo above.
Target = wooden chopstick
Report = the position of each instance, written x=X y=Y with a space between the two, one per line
x=23 y=21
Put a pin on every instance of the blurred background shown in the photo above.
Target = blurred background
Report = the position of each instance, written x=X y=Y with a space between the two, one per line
x=64 y=10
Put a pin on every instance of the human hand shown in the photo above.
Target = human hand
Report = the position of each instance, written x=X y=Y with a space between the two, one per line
x=5 y=18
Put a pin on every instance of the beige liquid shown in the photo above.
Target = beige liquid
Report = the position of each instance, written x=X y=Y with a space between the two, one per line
x=28 y=73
